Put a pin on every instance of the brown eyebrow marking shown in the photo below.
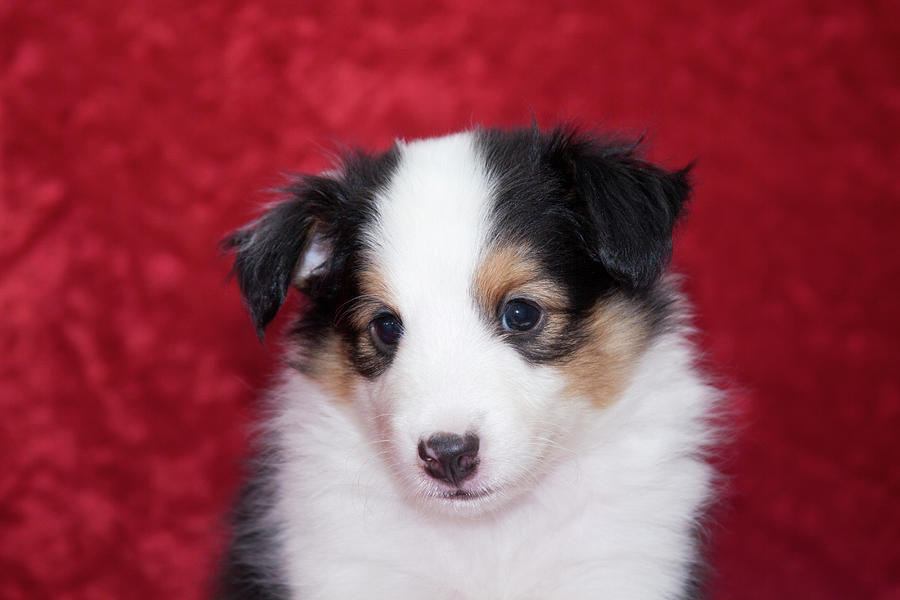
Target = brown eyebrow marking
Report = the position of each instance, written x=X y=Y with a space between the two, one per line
x=512 y=269
x=374 y=295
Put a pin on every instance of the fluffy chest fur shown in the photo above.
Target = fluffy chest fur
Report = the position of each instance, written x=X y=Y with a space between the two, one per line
x=490 y=395
x=614 y=518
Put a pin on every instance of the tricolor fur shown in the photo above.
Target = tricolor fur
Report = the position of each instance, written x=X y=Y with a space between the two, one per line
x=490 y=394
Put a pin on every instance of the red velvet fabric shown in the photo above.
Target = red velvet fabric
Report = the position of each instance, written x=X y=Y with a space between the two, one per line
x=134 y=135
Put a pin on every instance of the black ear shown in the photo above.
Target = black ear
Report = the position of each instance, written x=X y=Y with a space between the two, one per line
x=632 y=207
x=268 y=251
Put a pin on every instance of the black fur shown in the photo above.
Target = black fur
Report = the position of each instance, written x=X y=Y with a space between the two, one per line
x=566 y=192
x=267 y=255
x=249 y=571
x=598 y=217
x=696 y=587
x=268 y=251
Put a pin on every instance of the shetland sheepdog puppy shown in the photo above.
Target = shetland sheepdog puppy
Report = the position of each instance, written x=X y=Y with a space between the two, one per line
x=489 y=393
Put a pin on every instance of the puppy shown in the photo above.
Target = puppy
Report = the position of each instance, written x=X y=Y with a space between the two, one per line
x=489 y=393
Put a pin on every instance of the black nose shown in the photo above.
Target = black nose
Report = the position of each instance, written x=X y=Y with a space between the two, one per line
x=450 y=457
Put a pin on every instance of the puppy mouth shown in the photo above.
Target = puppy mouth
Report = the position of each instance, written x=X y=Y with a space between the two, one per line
x=460 y=495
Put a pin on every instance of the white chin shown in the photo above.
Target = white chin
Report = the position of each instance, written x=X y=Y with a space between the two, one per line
x=466 y=502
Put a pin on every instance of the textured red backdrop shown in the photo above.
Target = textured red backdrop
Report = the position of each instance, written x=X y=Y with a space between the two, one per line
x=134 y=136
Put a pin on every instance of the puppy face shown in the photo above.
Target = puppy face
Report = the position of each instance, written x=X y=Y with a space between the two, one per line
x=476 y=297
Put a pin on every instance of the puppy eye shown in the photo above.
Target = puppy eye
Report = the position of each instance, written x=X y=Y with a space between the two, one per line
x=386 y=330
x=520 y=315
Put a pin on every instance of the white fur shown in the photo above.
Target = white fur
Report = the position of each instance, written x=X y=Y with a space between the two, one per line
x=451 y=374
x=612 y=518
x=313 y=259
x=584 y=502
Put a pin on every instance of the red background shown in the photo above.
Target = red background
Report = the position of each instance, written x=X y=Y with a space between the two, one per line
x=134 y=136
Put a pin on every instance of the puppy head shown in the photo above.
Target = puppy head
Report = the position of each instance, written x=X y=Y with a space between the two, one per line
x=475 y=296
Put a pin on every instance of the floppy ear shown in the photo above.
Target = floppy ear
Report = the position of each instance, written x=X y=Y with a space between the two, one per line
x=270 y=251
x=632 y=208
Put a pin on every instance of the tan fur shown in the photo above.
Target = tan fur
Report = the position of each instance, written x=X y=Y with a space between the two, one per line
x=374 y=296
x=330 y=367
x=615 y=334
x=599 y=370
x=330 y=364
x=510 y=270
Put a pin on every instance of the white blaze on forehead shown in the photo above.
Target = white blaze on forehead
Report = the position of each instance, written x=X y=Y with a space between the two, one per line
x=451 y=372
x=432 y=223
